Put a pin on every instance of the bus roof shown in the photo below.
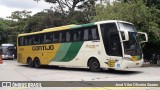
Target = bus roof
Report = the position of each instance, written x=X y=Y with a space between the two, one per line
x=72 y=26
x=111 y=21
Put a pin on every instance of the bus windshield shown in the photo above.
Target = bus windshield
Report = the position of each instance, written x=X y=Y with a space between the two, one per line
x=8 y=50
x=132 y=46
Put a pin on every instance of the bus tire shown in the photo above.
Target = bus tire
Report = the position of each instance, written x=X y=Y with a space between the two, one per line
x=29 y=62
x=94 y=65
x=37 y=63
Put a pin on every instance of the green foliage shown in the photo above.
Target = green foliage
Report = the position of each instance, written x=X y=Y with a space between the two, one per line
x=2 y=36
x=11 y=28
x=19 y=15
x=69 y=8
x=42 y=20
x=6 y=30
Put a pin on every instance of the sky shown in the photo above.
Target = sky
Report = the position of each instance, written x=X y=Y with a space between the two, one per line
x=9 y=6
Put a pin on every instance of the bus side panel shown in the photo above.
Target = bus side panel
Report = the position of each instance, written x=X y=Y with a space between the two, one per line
x=77 y=54
x=48 y=55
x=89 y=49
x=44 y=54
x=66 y=53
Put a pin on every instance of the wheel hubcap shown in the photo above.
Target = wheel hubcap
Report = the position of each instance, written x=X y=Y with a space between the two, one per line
x=95 y=65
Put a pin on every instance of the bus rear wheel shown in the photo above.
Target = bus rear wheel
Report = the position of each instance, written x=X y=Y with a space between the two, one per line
x=37 y=63
x=29 y=62
x=94 y=65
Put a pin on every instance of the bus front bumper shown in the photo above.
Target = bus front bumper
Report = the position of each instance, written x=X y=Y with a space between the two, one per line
x=131 y=64
x=7 y=56
x=126 y=64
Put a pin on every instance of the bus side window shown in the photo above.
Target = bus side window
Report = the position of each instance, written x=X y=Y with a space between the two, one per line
x=36 y=39
x=68 y=37
x=49 y=38
x=20 y=41
x=95 y=35
x=85 y=34
x=78 y=35
x=56 y=37
x=26 y=41
x=71 y=35
x=31 y=40
x=81 y=35
x=62 y=36
x=42 y=39
x=74 y=36
x=90 y=37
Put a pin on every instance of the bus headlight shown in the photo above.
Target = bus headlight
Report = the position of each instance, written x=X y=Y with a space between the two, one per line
x=2 y=56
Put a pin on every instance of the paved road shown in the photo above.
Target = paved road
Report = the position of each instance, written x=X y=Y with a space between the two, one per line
x=10 y=70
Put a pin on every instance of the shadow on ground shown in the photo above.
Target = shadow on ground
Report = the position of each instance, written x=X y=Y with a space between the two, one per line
x=51 y=67
x=150 y=65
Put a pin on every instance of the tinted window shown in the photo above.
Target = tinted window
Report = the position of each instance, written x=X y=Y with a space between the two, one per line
x=68 y=36
x=20 y=41
x=36 y=39
x=31 y=40
x=91 y=33
x=56 y=37
x=49 y=38
x=95 y=34
x=111 y=39
x=74 y=35
x=42 y=38
x=26 y=40
x=85 y=34
x=63 y=37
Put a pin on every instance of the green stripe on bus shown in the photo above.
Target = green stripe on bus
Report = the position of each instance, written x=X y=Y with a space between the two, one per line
x=86 y=25
x=72 y=52
x=67 y=51
x=61 y=52
x=82 y=25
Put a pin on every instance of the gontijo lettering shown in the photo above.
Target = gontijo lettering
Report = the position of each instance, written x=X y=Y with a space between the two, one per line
x=37 y=48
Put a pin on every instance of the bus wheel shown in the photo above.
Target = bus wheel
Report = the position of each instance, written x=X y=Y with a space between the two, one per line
x=29 y=62
x=37 y=63
x=94 y=65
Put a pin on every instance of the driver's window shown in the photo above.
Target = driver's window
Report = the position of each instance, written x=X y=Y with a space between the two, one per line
x=111 y=39
x=115 y=49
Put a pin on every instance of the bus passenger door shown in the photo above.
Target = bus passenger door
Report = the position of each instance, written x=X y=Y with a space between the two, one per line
x=115 y=50
x=111 y=42
x=115 y=45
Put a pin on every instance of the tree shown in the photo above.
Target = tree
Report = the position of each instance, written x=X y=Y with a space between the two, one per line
x=45 y=19
x=2 y=33
x=6 y=30
x=70 y=4
x=70 y=7
x=14 y=26
x=19 y=15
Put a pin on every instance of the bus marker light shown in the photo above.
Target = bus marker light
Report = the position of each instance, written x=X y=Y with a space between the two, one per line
x=1 y=62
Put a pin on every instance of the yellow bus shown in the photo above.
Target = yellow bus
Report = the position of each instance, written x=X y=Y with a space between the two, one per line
x=111 y=44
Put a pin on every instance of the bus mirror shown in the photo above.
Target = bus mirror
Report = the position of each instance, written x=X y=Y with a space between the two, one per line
x=143 y=37
x=125 y=36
